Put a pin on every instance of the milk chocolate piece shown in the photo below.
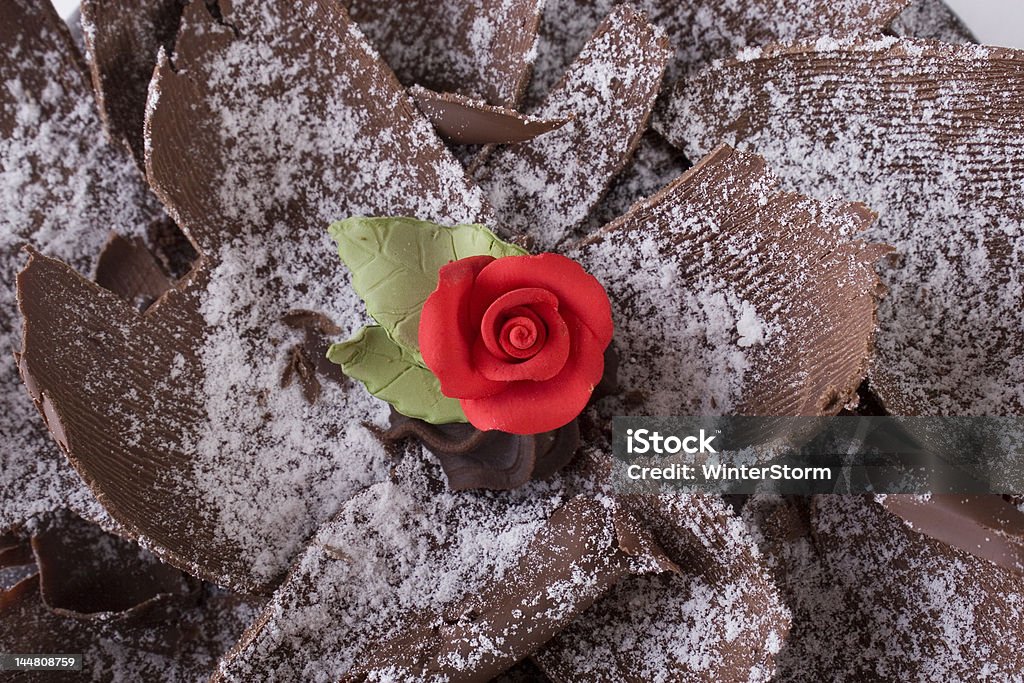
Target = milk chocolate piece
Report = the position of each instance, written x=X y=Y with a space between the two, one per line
x=472 y=459
x=918 y=606
x=483 y=49
x=732 y=296
x=700 y=31
x=720 y=602
x=929 y=134
x=931 y=19
x=127 y=268
x=547 y=186
x=273 y=121
x=64 y=189
x=573 y=560
x=122 y=39
x=466 y=121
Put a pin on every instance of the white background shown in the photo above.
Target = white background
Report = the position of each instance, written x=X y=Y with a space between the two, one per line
x=996 y=22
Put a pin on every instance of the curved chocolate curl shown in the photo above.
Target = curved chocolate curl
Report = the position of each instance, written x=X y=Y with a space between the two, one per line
x=65 y=188
x=700 y=31
x=128 y=268
x=930 y=135
x=122 y=39
x=176 y=417
x=472 y=459
x=579 y=554
x=719 y=601
x=776 y=294
x=466 y=121
x=546 y=187
x=482 y=49
x=85 y=573
x=920 y=607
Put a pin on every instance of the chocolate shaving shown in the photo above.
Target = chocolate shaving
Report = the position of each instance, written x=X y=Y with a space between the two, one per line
x=918 y=605
x=122 y=39
x=473 y=459
x=128 y=269
x=946 y=187
x=547 y=186
x=66 y=189
x=175 y=417
x=786 y=335
x=466 y=121
x=528 y=608
x=700 y=31
x=716 y=597
x=482 y=49
x=85 y=573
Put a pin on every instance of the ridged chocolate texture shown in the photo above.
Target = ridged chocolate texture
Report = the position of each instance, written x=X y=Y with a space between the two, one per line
x=932 y=137
x=176 y=417
x=723 y=243
x=63 y=189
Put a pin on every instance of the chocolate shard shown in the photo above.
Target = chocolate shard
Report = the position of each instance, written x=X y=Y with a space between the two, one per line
x=466 y=121
x=546 y=187
x=176 y=417
x=64 y=189
x=406 y=553
x=581 y=552
x=483 y=49
x=472 y=459
x=719 y=601
x=122 y=39
x=932 y=20
x=128 y=268
x=919 y=606
x=775 y=291
x=930 y=135
x=700 y=31
x=85 y=573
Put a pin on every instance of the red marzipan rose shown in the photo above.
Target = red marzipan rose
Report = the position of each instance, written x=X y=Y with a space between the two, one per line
x=519 y=340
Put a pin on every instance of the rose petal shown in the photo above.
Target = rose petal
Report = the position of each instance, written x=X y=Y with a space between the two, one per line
x=531 y=407
x=500 y=306
x=577 y=291
x=447 y=332
x=545 y=365
x=524 y=335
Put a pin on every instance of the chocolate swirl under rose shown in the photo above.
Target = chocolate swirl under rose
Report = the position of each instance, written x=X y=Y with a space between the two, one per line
x=527 y=347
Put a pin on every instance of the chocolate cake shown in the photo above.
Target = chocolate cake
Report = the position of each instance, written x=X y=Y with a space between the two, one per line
x=547 y=214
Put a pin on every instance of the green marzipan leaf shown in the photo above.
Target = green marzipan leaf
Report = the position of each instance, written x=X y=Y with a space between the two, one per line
x=392 y=374
x=394 y=264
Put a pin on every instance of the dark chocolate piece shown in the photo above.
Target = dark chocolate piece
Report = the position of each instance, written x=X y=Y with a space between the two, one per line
x=547 y=186
x=700 y=31
x=930 y=135
x=466 y=121
x=731 y=296
x=64 y=188
x=273 y=121
x=472 y=459
x=127 y=268
x=483 y=49
x=122 y=38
